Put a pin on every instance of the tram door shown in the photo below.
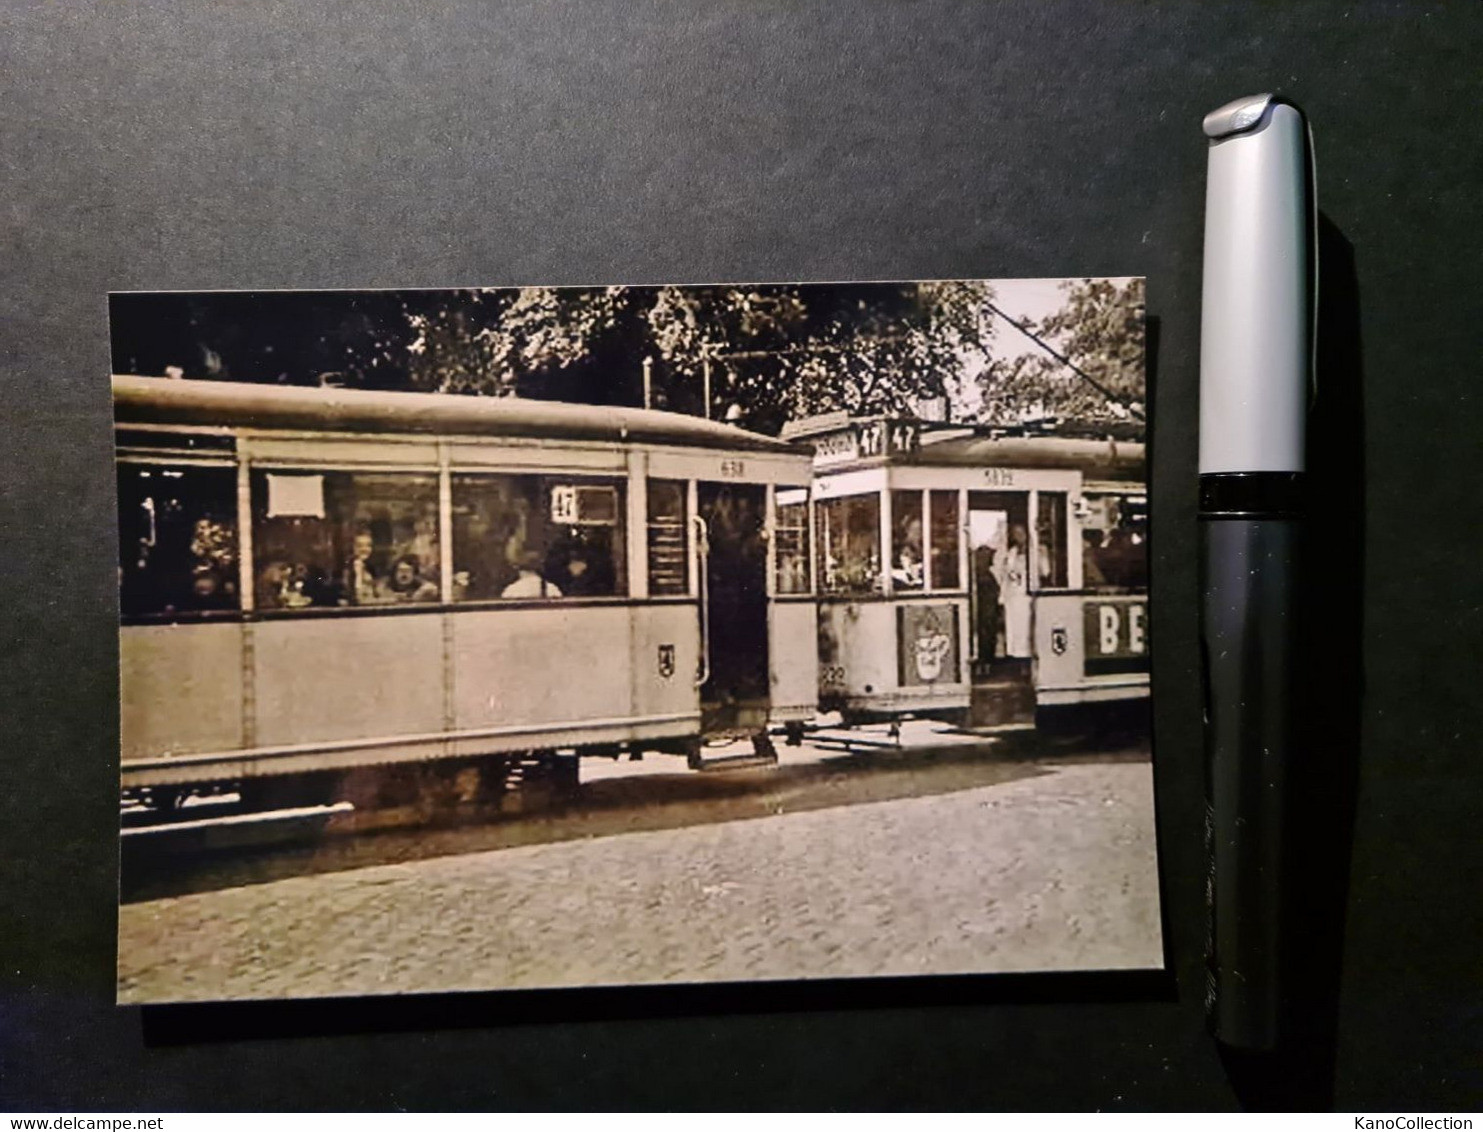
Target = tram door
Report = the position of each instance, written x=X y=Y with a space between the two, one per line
x=998 y=556
x=735 y=693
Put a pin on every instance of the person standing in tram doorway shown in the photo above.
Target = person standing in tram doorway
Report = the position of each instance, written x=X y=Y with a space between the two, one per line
x=1013 y=573
x=987 y=601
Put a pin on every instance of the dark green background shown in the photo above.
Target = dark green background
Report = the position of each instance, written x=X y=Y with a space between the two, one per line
x=225 y=145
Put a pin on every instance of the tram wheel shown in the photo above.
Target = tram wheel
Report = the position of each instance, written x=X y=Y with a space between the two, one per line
x=564 y=773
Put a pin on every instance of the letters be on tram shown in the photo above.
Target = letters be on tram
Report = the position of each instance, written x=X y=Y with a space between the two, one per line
x=975 y=576
x=382 y=596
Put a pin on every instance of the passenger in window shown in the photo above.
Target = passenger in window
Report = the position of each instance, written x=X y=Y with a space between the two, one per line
x=1124 y=558
x=299 y=595
x=908 y=571
x=209 y=592
x=405 y=583
x=1091 y=552
x=273 y=585
x=584 y=572
x=792 y=573
x=214 y=546
x=578 y=581
x=1045 y=565
x=359 y=582
x=311 y=582
x=529 y=583
x=484 y=551
x=298 y=590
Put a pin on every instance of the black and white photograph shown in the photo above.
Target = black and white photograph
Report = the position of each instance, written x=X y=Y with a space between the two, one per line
x=540 y=637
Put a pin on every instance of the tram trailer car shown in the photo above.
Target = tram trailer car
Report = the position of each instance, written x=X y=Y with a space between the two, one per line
x=980 y=578
x=403 y=599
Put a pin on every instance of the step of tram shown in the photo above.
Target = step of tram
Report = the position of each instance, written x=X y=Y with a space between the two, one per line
x=742 y=751
x=1000 y=703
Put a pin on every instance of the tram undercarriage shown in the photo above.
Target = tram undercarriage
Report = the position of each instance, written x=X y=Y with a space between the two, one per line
x=429 y=793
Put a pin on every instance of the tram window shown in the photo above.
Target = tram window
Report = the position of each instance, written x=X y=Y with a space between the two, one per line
x=946 y=531
x=908 y=566
x=850 y=544
x=344 y=538
x=791 y=541
x=177 y=539
x=669 y=559
x=531 y=537
x=1115 y=542
x=1050 y=533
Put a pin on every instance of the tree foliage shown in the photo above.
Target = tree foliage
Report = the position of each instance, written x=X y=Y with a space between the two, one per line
x=1100 y=330
x=780 y=352
x=767 y=353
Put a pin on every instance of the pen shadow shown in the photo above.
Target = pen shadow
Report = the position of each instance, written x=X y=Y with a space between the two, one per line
x=169 y=1024
x=1323 y=784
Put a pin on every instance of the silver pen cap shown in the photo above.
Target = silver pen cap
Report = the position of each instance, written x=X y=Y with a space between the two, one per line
x=1257 y=310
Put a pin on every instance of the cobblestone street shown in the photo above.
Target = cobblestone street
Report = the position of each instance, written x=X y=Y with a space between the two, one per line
x=1052 y=870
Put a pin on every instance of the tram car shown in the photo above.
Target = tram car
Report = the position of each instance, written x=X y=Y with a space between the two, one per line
x=981 y=578
x=334 y=595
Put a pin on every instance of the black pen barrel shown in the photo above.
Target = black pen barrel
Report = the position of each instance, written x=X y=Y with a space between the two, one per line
x=1250 y=552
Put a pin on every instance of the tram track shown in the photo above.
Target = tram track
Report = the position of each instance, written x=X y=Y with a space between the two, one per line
x=195 y=856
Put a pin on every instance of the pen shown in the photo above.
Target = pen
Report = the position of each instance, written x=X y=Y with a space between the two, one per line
x=1256 y=366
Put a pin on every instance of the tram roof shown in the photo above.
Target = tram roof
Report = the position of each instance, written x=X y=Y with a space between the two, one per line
x=1111 y=460
x=154 y=400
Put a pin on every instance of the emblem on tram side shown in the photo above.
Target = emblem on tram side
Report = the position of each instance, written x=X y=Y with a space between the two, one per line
x=1058 y=640
x=666 y=661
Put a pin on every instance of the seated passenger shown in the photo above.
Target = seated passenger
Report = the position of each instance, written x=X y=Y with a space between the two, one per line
x=405 y=582
x=581 y=570
x=313 y=584
x=529 y=583
x=1092 y=576
x=359 y=584
x=208 y=591
x=580 y=580
x=910 y=570
x=300 y=591
x=273 y=585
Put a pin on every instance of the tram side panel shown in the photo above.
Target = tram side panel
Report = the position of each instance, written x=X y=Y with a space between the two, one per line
x=792 y=633
x=296 y=695
x=548 y=677
x=197 y=671
x=1090 y=648
x=885 y=658
x=325 y=679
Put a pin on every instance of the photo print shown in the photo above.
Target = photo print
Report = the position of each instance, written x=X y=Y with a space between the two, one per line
x=552 y=637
